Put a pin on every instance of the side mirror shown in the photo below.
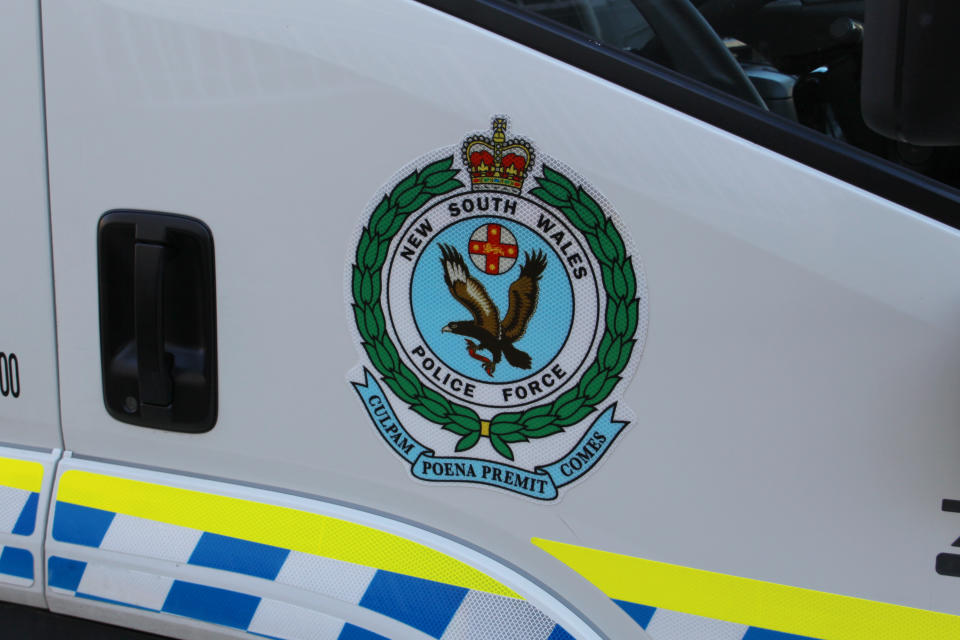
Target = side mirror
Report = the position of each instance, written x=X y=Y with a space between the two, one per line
x=910 y=89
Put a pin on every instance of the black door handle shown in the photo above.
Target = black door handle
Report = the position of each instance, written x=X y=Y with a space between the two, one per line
x=152 y=369
x=158 y=320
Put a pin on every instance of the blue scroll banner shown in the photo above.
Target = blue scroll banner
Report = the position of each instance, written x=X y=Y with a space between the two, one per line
x=541 y=484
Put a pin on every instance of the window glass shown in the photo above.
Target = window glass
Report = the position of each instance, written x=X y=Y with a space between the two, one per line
x=800 y=59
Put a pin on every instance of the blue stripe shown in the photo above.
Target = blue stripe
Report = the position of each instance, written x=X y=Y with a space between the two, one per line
x=28 y=516
x=16 y=562
x=240 y=556
x=353 y=632
x=423 y=604
x=756 y=633
x=64 y=573
x=80 y=525
x=219 y=606
x=87 y=596
x=559 y=633
x=640 y=613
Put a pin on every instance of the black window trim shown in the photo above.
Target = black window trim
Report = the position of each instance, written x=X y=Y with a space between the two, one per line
x=844 y=162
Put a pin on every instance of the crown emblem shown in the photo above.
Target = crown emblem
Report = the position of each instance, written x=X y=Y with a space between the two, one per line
x=495 y=163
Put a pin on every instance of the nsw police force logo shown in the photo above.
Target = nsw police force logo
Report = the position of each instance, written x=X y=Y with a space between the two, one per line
x=501 y=314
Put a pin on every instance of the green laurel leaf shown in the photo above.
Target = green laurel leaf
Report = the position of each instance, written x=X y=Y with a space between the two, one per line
x=369 y=258
x=548 y=197
x=372 y=353
x=558 y=178
x=581 y=216
x=613 y=239
x=409 y=376
x=357 y=284
x=468 y=441
x=434 y=407
x=606 y=250
x=382 y=226
x=570 y=408
x=444 y=187
x=501 y=428
x=624 y=358
x=440 y=165
x=630 y=277
x=504 y=417
x=463 y=411
x=469 y=423
x=402 y=189
x=619 y=282
x=543 y=432
x=596 y=394
x=425 y=411
x=373 y=319
x=404 y=201
x=388 y=355
x=369 y=290
x=501 y=446
x=403 y=385
x=584 y=198
x=556 y=190
x=593 y=388
x=456 y=428
x=580 y=414
x=440 y=177
x=537 y=412
x=613 y=354
x=621 y=319
x=540 y=421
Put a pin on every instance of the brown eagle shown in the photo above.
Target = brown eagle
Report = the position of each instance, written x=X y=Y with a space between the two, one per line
x=486 y=328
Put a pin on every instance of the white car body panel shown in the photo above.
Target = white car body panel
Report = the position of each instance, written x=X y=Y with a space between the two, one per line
x=26 y=291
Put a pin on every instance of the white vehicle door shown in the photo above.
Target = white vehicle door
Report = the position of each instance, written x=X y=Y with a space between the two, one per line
x=29 y=418
x=668 y=365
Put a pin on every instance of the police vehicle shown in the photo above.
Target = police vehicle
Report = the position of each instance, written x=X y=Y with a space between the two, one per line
x=491 y=319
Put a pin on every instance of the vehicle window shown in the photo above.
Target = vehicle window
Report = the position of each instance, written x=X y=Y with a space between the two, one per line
x=800 y=59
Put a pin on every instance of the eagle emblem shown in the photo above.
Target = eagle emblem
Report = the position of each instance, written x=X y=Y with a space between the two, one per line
x=490 y=332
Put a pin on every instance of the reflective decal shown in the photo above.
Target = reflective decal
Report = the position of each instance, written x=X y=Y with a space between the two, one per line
x=229 y=561
x=664 y=597
x=501 y=312
x=20 y=482
x=90 y=505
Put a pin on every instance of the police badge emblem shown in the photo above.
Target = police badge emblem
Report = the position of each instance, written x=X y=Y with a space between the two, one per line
x=501 y=314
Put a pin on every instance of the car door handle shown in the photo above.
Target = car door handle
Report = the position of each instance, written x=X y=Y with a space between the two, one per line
x=158 y=320
x=153 y=370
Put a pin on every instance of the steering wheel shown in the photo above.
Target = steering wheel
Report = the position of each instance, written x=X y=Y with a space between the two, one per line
x=694 y=47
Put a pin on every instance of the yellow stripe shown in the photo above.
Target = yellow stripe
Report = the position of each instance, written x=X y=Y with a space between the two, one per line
x=21 y=474
x=777 y=607
x=274 y=525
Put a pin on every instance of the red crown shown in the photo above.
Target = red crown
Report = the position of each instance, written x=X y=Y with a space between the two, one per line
x=497 y=164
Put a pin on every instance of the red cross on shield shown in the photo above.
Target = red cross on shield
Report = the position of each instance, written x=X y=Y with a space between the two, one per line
x=493 y=249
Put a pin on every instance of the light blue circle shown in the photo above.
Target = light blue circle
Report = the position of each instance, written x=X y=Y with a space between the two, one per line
x=434 y=306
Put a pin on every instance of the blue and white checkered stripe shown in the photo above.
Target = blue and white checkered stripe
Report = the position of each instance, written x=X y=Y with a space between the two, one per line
x=18 y=511
x=16 y=566
x=18 y=517
x=439 y=610
x=664 y=624
x=158 y=593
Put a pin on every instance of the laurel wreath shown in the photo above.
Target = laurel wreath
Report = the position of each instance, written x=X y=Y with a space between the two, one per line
x=600 y=378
